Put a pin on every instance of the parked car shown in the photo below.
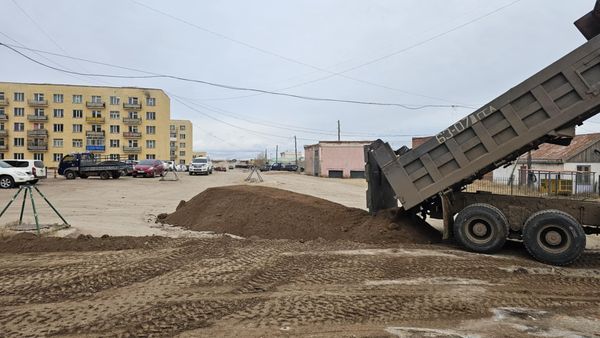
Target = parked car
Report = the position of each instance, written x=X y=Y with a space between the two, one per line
x=277 y=166
x=290 y=167
x=265 y=167
x=149 y=168
x=220 y=168
x=201 y=166
x=231 y=167
x=11 y=176
x=129 y=167
x=35 y=167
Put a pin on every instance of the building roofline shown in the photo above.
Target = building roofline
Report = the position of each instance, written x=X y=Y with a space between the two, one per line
x=75 y=85
x=338 y=142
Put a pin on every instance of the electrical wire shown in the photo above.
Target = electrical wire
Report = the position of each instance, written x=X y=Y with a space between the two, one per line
x=231 y=87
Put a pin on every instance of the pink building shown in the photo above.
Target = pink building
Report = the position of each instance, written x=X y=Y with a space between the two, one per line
x=336 y=159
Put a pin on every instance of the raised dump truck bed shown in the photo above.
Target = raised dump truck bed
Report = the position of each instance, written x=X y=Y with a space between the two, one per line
x=546 y=107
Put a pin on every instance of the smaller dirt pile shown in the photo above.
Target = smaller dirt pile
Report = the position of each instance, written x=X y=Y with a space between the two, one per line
x=279 y=214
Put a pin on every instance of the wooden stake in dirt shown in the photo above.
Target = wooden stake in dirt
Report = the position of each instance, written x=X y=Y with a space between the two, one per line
x=252 y=171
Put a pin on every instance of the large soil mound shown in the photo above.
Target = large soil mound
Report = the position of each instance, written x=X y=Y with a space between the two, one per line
x=279 y=214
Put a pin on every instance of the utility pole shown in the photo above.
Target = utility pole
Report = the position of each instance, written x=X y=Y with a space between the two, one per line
x=266 y=156
x=339 y=131
x=296 y=149
x=277 y=153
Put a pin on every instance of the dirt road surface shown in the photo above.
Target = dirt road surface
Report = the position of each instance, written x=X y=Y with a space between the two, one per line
x=253 y=288
x=221 y=286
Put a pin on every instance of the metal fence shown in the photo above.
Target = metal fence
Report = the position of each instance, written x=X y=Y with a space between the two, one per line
x=540 y=183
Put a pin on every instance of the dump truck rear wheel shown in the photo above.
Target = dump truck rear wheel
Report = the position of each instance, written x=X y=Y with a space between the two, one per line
x=481 y=228
x=554 y=237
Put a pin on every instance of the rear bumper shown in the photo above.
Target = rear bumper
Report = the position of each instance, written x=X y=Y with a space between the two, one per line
x=23 y=179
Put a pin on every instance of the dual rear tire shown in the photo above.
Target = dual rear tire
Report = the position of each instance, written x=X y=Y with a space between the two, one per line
x=550 y=236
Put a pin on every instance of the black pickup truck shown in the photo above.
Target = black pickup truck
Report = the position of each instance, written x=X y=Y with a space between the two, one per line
x=85 y=165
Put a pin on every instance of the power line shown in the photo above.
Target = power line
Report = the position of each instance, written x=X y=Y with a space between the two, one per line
x=331 y=73
x=231 y=87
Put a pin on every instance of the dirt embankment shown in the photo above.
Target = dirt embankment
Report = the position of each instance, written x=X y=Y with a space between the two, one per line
x=28 y=242
x=279 y=214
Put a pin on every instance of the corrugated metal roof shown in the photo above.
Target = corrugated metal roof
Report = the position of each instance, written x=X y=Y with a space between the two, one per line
x=555 y=152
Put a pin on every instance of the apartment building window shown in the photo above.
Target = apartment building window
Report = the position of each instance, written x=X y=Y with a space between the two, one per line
x=19 y=97
x=19 y=156
x=182 y=136
x=115 y=129
x=132 y=157
x=77 y=128
x=151 y=130
x=182 y=128
x=77 y=98
x=115 y=100
x=132 y=100
x=19 y=126
x=96 y=99
x=97 y=128
x=182 y=145
x=58 y=98
x=151 y=144
x=38 y=96
x=150 y=115
x=133 y=129
x=182 y=153
x=19 y=142
x=1 y=125
x=114 y=157
x=59 y=127
x=19 y=111
x=38 y=126
x=150 y=101
x=2 y=96
x=77 y=114
x=150 y=156
x=114 y=115
x=95 y=142
x=57 y=157
x=38 y=112
x=132 y=115
x=133 y=143
x=173 y=127
x=77 y=143
x=96 y=113
x=59 y=113
x=1 y=110
x=57 y=142
x=114 y=144
x=38 y=156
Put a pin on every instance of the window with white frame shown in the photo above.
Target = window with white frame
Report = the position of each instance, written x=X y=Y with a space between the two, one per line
x=58 y=98
x=57 y=157
x=132 y=100
x=58 y=113
x=96 y=113
x=58 y=127
x=150 y=130
x=19 y=126
x=19 y=111
x=150 y=144
x=19 y=142
x=38 y=96
x=77 y=114
x=77 y=98
x=77 y=128
x=38 y=156
x=19 y=97
x=57 y=143
x=96 y=99
x=151 y=101
x=97 y=128
x=115 y=129
x=150 y=115
x=114 y=115
x=115 y=100
x=19 y=156
x=150 y=157
x=77 y=143
x=114 y=143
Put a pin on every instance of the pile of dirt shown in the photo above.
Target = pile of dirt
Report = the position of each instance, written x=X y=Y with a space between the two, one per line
x=279 y=214
x=28 y=242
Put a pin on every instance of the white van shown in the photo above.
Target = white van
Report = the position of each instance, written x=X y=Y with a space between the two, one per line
x=201 y=166
x=35 y=167
x=11 y=176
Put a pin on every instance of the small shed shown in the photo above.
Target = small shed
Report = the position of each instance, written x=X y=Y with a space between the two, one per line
x=335 y=159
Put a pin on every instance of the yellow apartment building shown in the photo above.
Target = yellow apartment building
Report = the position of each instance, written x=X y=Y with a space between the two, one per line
x=46 y=121
x=181 y=141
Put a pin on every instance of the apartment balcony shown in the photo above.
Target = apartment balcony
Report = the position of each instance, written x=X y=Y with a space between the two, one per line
x=132 y=134
x=94 y=120
x=4 y=133
x=95 y=105
x=37 y=133
x=173 y=148
x=3 y=117
x=37 y=118
x=130 y=150
x=3 y=102
x=37 y=103
x=37 y=147
x=4 y=147
x=95 y=134
x=132 y=106
x=132 y=121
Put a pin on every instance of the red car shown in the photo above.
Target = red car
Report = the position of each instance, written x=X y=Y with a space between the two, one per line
x=148 y=168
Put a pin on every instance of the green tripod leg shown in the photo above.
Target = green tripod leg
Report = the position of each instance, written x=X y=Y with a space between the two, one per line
x=50 y=204
x=35 y=215
x=22 y=208
x=11 y=201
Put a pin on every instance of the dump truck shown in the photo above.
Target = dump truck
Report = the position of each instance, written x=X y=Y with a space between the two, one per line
x=430 y=180
x=84 y=165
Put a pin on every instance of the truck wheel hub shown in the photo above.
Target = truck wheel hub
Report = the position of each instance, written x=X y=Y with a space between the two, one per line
x=479 y=229
x=553 y=238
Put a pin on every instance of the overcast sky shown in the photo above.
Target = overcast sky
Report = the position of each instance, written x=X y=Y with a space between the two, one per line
x=415 y=52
